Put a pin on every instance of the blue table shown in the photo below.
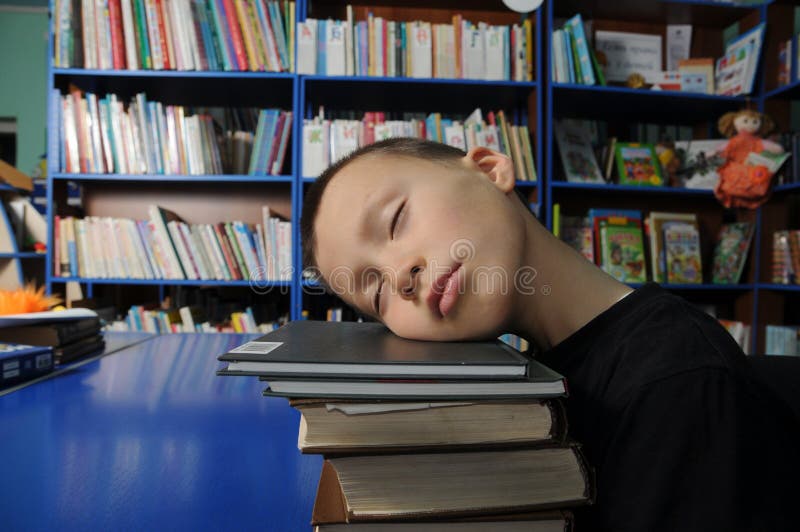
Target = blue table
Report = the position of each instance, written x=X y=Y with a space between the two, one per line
x=149 y=438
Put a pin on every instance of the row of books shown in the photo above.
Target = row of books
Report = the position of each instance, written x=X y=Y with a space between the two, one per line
x=574 y=59
x=326 y=141
x=783 y=340
x=98 y=135
x=786 y=257
x=165 y=247
x=423 y=454
x=785 y=58
x=188 y=319
x=416 y=49
x=614 y=239
x=254 y=35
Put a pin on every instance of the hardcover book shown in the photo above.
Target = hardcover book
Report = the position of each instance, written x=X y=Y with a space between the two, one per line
x=637 y=164
x=429 y=486
x=730 y=254
x=307 y=348
x=577 y=155
x=330 y=427
x=619 y=241
x=682 y=253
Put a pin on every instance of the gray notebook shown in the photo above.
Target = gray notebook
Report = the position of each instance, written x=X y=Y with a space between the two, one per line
x=322 y=349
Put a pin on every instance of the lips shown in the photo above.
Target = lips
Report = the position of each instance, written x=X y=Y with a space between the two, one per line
x=444 y=292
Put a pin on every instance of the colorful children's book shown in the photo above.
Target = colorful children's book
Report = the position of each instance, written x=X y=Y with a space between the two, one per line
x=619 y=246
x=656 y=224
x=682 y=253
x=577 y=155
x=700 y=162
x=730 y=254
x=637 y=164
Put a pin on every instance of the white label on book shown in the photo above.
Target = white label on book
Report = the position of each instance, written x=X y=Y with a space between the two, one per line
x=257 y=348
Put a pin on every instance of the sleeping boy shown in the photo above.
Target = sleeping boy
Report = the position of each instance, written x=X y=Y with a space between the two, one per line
x=436 y=244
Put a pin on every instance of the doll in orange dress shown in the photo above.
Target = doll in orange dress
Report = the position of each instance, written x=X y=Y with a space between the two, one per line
x=742 y=184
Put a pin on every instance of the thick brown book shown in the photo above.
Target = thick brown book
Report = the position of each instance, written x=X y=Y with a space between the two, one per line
x=336 y=428
x=81 y=348
x=548 y=521
x=422 y=487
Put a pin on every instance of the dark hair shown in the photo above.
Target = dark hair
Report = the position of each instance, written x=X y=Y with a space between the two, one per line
x=404 y=147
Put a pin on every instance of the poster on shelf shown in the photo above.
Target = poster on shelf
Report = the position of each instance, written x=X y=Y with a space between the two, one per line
x=629 y=53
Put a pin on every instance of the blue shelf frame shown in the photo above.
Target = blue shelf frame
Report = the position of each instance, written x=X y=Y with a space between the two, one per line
x=222 y=178
x=22 y=255
x=614 y=188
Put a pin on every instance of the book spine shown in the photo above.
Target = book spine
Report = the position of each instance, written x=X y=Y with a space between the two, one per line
x=236 y=34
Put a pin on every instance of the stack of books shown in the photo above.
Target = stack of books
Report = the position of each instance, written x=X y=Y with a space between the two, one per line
x=67 y=335
x=423 y=435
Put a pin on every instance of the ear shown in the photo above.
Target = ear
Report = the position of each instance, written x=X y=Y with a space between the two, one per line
x=496 y=166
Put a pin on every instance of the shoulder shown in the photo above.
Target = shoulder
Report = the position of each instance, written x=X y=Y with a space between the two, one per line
x=668 y=337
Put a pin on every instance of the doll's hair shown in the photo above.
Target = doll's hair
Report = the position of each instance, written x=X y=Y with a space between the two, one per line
x=727 y=128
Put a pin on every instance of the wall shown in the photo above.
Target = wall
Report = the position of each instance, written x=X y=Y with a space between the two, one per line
x=23 y=79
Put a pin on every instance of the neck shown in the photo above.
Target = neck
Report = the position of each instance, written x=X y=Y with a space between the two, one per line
x=569 y=291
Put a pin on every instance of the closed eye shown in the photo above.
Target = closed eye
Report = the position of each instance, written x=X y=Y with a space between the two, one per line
x=376 y=304
x=395 y=219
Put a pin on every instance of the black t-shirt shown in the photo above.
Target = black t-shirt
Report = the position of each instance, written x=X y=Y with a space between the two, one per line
x=679 y=434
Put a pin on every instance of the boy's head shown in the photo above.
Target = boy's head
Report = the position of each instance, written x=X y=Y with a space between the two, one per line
x=421 y=236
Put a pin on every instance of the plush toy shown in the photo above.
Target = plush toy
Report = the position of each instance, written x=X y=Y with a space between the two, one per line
x=743 y=183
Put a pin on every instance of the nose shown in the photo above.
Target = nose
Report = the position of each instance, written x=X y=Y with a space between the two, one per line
x=408 y=277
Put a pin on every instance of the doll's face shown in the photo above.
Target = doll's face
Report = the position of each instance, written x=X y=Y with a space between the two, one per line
x=747 y=123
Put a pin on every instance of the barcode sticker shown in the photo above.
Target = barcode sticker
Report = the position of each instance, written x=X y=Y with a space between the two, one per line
x=257 y=348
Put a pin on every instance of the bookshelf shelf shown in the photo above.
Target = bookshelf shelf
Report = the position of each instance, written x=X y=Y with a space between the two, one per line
x=168 y=74
x=639 y=105
x=232 y=178
x=789 y=187
x=790 y=91
x=527 y=85
x=779 y=287
x=705 y=12
x=611 y=188
x=22 y=255
x=173 y=282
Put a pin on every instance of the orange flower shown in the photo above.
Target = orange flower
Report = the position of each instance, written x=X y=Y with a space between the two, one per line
x=24 y=300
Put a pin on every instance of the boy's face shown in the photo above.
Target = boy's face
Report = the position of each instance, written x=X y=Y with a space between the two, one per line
x=431 y=249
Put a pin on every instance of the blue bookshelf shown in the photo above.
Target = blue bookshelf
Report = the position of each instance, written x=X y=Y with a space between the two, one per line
x=623 y=104
x=301 y=94
x=523 y=101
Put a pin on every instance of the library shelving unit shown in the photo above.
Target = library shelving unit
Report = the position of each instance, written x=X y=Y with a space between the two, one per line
x=522 y=101
x=622 y=108
x=197 y=199
x=17 y=267
x=213 y=198
x=778 y=303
